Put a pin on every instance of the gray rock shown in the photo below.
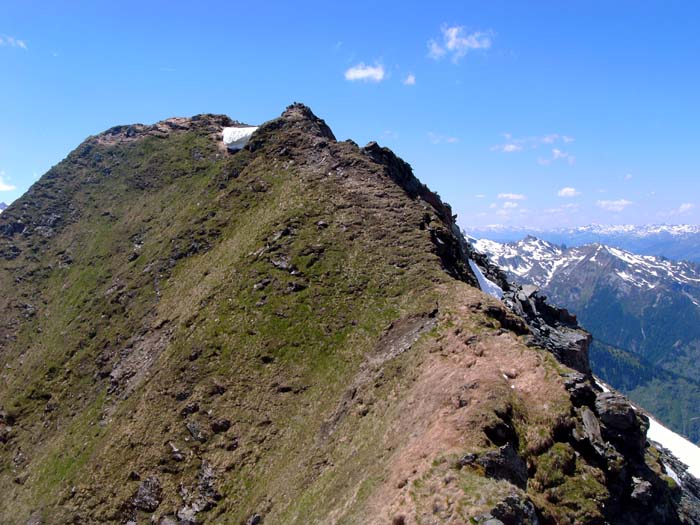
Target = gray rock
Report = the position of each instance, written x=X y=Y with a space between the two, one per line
x=642 y=490
x=220 y=425
x=615 y=411
x=506 y=464
x=591 y=427
x=196 y=431
x=188 y=515
x=149 y=495
x=529 y=290
x=516 y=509
x=580 y=389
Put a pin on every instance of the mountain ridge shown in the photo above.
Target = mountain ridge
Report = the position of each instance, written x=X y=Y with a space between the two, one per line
x=288 y=333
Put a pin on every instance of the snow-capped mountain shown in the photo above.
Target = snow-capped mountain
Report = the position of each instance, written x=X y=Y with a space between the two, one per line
x=680 y=242
x=534 y=261
x=643 y=312
x=637 y=231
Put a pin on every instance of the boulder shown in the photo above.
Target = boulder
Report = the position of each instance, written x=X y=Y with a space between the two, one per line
x=149 y=495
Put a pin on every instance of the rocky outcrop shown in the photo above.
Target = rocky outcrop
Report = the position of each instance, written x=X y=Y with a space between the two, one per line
x=605 y=429
x=550 y=327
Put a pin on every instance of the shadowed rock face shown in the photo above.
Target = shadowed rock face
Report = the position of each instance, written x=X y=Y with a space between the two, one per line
x=290 y=333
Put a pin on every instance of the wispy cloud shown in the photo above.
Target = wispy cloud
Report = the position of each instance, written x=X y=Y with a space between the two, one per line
x=410 y=80
x=683 y=209
x=507 y=148
x=512 y=196
x=365 y=73
x=628 y=176
x=456 y=42
x=614 y=205
x=508 y=208
x=568 y=192
x=558 y=154
x=516 y=145
x=10 y=41
x=5 y=186
x=436 y=138
x=435 y=50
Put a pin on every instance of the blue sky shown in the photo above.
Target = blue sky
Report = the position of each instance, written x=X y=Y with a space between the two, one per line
x=545 y=113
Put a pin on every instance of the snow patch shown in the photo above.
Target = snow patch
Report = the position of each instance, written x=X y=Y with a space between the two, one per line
x=672 y=474
x=683 y=449
x=601 y=385
x=237 y=138
x=486 y=285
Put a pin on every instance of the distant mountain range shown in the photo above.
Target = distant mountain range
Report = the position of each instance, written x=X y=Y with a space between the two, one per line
x=643 y=312
x=679 y=242
x=2 y=206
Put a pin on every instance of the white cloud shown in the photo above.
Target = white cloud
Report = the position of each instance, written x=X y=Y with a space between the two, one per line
x=559 y=154
x=435 y=50
x=616 y=205
x=365 y=73
x=410 y=80
x=510 y=205
x=681 y=210
x=512 y=196
x=458 y=43
x=513 y=145
x=628 y=176
x=507 y=148
x=4 y=186
x=9 y=41
x=436 y=138
x=479 y=196
x=568 y=192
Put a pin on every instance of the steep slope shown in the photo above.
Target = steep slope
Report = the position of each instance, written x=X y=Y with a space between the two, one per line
x=288 y=333
x=643 y=311
x=680 y=242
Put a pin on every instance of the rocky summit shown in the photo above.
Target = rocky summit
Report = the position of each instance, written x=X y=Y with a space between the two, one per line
x=290 y=333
